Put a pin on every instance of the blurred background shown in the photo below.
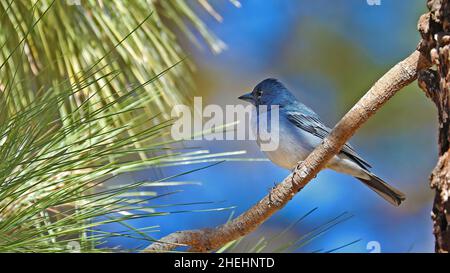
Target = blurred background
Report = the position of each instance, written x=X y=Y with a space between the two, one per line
x=328 y=56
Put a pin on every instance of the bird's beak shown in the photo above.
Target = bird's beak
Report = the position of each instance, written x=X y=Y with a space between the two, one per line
x=247 y=97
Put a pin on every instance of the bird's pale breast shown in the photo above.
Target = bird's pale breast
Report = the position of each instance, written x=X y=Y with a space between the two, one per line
x=294 y=144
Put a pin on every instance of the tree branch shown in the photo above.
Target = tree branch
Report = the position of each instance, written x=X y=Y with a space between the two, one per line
x=209 y=239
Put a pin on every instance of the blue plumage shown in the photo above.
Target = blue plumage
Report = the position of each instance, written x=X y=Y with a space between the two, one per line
x=300 y=131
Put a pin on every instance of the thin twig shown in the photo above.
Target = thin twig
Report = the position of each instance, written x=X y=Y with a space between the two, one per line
x=209 y=239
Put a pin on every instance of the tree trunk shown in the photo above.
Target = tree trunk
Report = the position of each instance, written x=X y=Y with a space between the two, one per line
x=435 y=30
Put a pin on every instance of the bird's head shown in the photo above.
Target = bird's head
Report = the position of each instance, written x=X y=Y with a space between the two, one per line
x=269 y=92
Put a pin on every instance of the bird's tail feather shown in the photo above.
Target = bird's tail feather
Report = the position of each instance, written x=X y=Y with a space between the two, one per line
x=389 y=193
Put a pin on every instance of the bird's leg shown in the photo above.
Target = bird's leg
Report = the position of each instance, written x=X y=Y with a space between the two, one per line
x=275 y=184
x=293 y=170
x=270 y=192
x=296 y=166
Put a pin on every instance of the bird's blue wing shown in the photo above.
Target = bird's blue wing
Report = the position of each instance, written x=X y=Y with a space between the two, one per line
x=312 y=125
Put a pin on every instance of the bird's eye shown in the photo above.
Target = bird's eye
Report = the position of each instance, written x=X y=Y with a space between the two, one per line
x=259 y=94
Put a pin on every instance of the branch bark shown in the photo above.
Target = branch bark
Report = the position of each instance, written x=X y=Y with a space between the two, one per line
x=437 y=90
x=435 y=31
x=208 y=239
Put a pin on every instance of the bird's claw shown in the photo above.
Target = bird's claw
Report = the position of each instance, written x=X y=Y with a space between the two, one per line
x=270 y=192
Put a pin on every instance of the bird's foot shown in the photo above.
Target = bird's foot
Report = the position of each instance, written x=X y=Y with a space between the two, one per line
x=275 y=184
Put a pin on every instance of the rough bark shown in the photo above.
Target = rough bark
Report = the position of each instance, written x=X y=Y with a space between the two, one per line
x=209 y=239
x=435 y=30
